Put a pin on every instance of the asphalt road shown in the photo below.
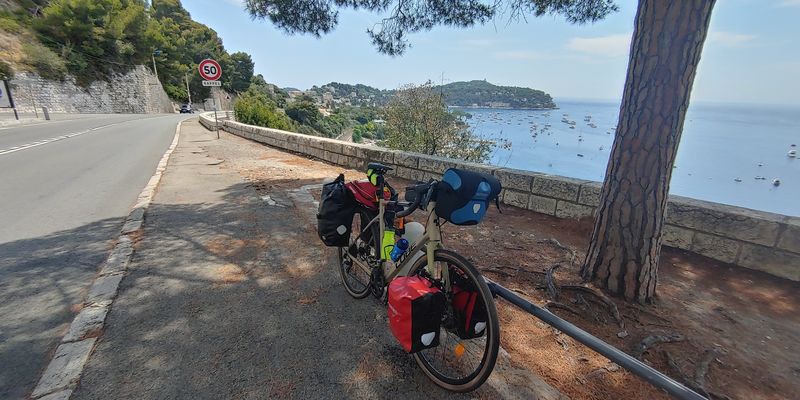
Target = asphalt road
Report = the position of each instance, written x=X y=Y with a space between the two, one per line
x=65 y=189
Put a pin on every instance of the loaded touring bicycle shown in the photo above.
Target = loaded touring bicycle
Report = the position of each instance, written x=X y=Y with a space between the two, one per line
x=439 y=306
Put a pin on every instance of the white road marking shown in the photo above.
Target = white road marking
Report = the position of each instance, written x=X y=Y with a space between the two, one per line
x=67 y=136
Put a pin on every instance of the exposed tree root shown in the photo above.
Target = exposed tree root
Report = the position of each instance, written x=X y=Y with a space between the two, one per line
x=653 y=340
x=498 y=271
x=572 y=254
x=680 y=376
x=562 y=306
x=612 y=308
x=552 y=290
x=702 y=367
x=520 y=291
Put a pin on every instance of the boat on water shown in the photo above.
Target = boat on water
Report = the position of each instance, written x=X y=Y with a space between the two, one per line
x=792 y=153
x=592 y=125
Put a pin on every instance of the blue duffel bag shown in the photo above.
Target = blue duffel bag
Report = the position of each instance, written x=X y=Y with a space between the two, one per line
x=462 y=197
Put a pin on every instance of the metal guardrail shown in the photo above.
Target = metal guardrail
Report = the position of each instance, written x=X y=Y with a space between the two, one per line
x=644 y=371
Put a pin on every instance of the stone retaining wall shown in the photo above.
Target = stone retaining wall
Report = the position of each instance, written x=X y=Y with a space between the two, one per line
x=137 y=91
x=752 y=239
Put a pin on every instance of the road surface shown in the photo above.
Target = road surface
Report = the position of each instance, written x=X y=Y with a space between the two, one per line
x=65 y=189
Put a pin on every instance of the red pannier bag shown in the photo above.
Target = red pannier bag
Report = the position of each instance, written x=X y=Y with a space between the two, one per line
x=415 y=312
x=470 y=313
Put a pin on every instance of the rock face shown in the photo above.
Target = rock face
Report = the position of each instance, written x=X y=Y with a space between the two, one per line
x=137 y=91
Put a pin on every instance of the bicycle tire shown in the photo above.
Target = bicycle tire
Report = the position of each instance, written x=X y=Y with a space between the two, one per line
x=357 y=293
x=487 y=363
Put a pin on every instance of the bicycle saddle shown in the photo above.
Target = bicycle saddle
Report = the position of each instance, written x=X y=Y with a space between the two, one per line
x=378 y=168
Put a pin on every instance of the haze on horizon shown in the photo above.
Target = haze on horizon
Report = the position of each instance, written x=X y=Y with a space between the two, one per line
x=750 y=56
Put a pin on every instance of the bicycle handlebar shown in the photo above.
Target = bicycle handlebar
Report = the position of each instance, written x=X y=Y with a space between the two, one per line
x=410 y=209
x=417 y=201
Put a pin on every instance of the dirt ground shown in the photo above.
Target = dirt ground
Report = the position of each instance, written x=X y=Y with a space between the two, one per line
x=741 y=326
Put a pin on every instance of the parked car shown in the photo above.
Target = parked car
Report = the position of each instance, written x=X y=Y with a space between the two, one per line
x=186 y=109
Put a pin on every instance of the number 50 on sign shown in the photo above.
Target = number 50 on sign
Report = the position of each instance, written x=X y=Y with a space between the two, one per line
x=209 y=70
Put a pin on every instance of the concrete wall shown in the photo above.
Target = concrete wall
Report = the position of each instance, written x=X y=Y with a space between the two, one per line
x=137 y=91
x=752 y=239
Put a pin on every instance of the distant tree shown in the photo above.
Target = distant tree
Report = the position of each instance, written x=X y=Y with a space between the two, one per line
x=256 y=109
x=417 y=120
x=241 y=72
x=304 y=112
x=668 y=40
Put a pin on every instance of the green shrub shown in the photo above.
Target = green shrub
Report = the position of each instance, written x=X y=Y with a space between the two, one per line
x=9 y=24
x=255 y=110
x=5 y=71
x=47 y=63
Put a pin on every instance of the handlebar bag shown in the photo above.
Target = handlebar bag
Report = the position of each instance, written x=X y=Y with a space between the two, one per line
x=462 y=196
x=469 y=310
x=335 y=215
x=415 y=312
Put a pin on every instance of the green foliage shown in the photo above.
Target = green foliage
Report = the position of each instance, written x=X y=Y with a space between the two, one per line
x=9 y=24
x=331 y=126
x=241 y=72
x=46 y=62
x=370 y=130
x=417 y=120
x=401 y=17
x=482 y=94
x=357 y=137
x=256 y=109
x=365 y=99
x=304 y=112
x=5 y=71
x=95 y=36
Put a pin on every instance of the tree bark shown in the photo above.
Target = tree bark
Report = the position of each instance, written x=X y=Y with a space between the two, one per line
x=626 y=240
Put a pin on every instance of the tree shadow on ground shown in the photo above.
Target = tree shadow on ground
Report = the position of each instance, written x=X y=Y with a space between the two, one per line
x=239 y=299
x=43 y=281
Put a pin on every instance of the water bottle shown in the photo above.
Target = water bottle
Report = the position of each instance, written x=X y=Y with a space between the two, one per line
x=399 y=249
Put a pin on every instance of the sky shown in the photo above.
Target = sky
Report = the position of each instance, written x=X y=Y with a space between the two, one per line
x=752 y=54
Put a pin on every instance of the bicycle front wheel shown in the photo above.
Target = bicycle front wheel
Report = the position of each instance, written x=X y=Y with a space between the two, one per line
x=357 y=281
x=456 y=364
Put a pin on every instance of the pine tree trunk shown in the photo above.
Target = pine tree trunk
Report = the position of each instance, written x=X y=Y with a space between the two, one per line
x=626 y=240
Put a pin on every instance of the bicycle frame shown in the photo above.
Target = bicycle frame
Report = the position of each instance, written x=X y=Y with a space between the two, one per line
x=430 y=240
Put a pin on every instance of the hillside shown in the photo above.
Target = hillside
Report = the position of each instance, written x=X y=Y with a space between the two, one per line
x=92 y=40
x=485 y=94
x=457 y=94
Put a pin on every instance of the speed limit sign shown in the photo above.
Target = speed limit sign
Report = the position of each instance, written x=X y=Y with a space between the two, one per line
x=209 y=69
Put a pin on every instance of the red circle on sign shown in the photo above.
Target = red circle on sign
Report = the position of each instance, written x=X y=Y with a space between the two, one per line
x=209 y=69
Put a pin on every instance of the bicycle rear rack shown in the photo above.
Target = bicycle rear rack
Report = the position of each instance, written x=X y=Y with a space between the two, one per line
x=651 y=375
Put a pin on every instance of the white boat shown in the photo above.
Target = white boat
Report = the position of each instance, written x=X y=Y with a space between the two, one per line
x=792 y=153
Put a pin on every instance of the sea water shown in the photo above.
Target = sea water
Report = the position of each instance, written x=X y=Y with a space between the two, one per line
x=728 y=154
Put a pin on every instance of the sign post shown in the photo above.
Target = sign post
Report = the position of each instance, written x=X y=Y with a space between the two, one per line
x=6 y=101
x=211 y=71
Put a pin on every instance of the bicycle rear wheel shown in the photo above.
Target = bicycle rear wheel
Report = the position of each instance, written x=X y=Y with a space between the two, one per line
x=357 y=281
x=461 y=365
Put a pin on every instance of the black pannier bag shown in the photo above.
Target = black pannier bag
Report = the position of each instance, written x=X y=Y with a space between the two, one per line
x=335 y=216
x=462 y=197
